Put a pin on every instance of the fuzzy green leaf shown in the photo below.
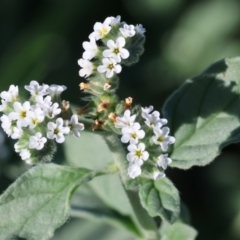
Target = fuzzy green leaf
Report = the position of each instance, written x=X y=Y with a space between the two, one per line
x=99 y=150
x=204 y=114
x=177 y=231
x=86 y=204
x=91 y=151
x=160 y=198
x=83 y=229
x=38 y=202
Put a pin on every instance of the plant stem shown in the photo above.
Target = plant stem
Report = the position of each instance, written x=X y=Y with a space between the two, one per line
x=143 y=220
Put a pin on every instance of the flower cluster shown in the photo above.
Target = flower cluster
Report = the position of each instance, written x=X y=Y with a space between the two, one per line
x=147 y=144
x=106 y=59
x=112 y=44
x=38 y=122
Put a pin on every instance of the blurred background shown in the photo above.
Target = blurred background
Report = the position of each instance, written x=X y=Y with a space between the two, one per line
x=42 y=40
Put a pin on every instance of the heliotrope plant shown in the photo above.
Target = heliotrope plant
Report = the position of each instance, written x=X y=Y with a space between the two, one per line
x=202 y=116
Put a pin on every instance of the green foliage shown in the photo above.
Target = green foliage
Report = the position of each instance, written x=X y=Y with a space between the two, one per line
x=92 y=146
x=86 y=203
x=40 y=43
x=106 y=187
x=38 y=202
x=82 y=229
x=160 y=198
x=177 y=231
x=204 y=114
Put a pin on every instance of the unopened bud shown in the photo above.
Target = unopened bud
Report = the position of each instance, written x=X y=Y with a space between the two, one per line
x=112 y=116
x=106 y=86
x=83 y=85
x=104 y=105
x=65 y=105
x=128 y=103
x=97 y=124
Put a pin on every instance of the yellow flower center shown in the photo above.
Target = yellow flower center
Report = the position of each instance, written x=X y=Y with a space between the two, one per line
x=23 y=114
x=138 y=153
x=160 y=139
x=56 y=131
x=34 y=121
x=134 y=135
x=110 y=66
x=116 y=50
x=103 y=32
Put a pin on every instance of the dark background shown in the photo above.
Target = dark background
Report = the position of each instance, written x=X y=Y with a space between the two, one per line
x=42 y=40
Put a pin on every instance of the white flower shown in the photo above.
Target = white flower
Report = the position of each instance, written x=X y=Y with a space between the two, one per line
x=11 y=95
x=158 y=175
x=161 y=137
x=3 y=106
x=87 y=68
x=100 y=29
x=37 y=141
x=140 y=29
x=56 y=89
x=7 y=124
x=43 y=103
x=134 y=170
x=146 y=111
x=132 y=133
x=35 y=89
x=52 y=111
x=127 y=30
x=109 y=66
x=90 y=48
x=154 y=119
x=125 y=121
x=21 y=113
x=163 y=161
x=35 y=117
x=25 y=154
x=137 y=154
x=116 y=50
x=75 y=126
x=10 y=128
x=17 y=133
x=113 y=20
x=57 y=130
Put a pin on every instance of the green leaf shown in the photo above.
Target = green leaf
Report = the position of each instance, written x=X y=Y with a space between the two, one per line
x=38 y=202
x=177 y=231
x=91 y=151
x=160 y=198
x=204 y=114
x=109 y=189
x=86 y=204
x=83 y=229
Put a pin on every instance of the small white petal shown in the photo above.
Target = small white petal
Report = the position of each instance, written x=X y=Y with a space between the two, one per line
x=134 y=171
x=25 y=154
x=55 y=89
x=127 y=30
x=60 y=138
x=158 y=175
x=125 y=121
